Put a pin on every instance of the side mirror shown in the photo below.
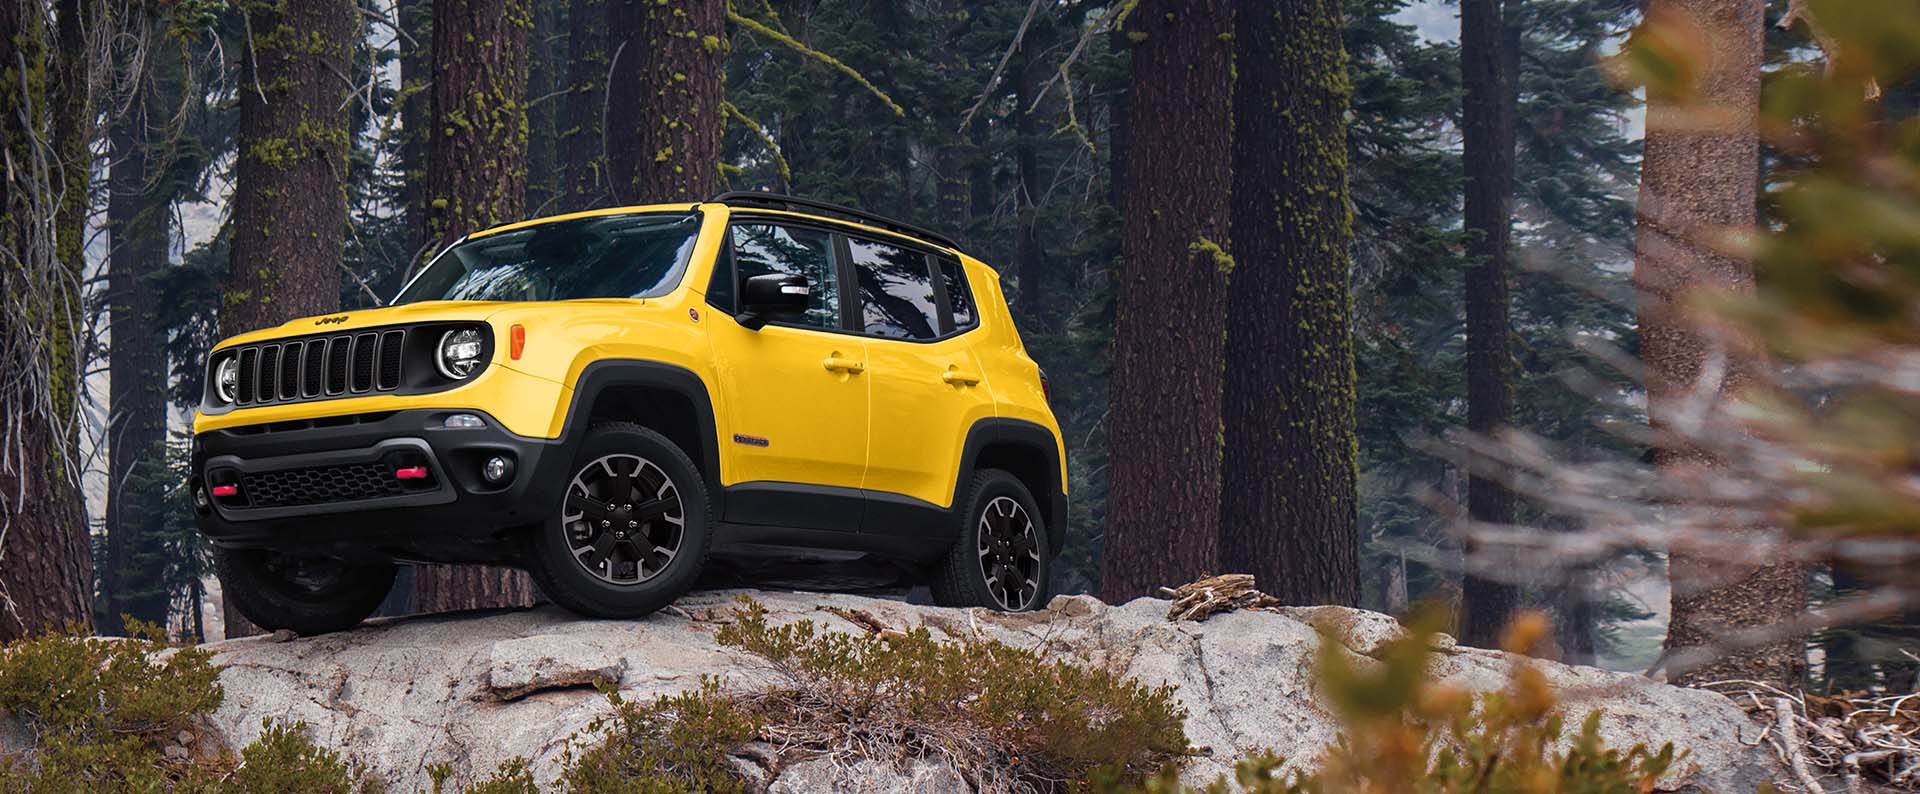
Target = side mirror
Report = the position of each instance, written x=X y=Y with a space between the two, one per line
x=771 y=296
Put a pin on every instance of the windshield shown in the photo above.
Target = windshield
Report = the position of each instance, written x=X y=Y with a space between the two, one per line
x=605 y=256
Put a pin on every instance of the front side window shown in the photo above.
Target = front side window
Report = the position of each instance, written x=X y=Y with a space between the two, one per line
x=762 y=248
x=639 y=255
x=896 y=291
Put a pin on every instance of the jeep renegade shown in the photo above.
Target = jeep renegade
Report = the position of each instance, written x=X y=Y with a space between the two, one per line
x=607 y=398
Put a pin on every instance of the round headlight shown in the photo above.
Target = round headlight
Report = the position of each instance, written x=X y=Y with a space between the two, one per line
x=226 y=378
x=459 y=353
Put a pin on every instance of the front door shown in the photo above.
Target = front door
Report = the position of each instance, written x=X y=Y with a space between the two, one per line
x=797 y=389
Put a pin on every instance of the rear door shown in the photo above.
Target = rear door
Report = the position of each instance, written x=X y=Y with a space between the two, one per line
x=927 y=386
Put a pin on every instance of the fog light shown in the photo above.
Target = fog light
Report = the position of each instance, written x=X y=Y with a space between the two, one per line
x=498 y=469
x=463 y=421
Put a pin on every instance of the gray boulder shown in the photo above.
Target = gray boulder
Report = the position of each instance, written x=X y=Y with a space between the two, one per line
x=477 y=689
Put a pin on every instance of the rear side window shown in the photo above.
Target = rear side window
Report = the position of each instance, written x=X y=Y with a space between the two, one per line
x=959 y=297
x=762 y=248
x=896 y=290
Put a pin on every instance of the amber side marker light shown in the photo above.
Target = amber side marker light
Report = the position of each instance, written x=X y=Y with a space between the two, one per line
x=516 y=341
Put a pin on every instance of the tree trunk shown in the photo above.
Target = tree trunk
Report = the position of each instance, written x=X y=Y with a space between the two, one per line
x=478 y=172
x=477 y=179
x=416 y=127
x=1038 y=292
x=583 y=150
x=546 y=67
x=1163 y=510
x=1487 y=149
x=664 y=137
x=137 y=216
x=1287 y=501
x=289 y=194
x=1695 y=181
x=46 y=571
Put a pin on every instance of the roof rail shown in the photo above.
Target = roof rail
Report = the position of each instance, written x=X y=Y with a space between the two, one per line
x=781 y=201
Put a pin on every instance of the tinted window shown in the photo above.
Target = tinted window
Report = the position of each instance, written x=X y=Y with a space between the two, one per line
x=896 y=291
x=607 y=256
x=959 y=297
x=761 y=248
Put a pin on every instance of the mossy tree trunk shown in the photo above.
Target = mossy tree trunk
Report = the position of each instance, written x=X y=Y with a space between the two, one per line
x=1698 y=178
x=477 y=178
x=290 y=172
x=138 y=211
x=1163 y=509
x=46 y=129
x=1288 y=506
x=664 y=130
x=1487 y=149
x=582 y=147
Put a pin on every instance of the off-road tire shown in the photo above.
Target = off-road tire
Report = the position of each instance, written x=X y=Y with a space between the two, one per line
x=273 y=601
x=564 y=578
x=960 y=578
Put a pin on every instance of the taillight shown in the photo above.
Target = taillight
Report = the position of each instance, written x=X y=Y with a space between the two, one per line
x=1046 y=388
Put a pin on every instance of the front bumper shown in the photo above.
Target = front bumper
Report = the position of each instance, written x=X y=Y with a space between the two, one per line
x=336 y=486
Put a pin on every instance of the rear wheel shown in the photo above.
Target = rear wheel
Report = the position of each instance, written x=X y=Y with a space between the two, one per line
x=631 y=533
x=308 y=595
x=1000 y=559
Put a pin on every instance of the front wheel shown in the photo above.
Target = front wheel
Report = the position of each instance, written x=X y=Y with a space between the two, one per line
x=630 y=535
x=308 y=595
x=1000 y=560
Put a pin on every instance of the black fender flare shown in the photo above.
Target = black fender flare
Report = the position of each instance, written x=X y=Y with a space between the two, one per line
x=605 y=374
x=1033 y=437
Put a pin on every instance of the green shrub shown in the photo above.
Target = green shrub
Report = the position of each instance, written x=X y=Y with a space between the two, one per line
x=999 y=713
x=284 y=761
x=678 y=744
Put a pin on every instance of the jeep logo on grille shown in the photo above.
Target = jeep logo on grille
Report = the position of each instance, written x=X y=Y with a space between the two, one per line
x=335 y=320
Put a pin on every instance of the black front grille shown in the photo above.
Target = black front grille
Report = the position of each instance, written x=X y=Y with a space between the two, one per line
x=320 y=485
x=315 y=367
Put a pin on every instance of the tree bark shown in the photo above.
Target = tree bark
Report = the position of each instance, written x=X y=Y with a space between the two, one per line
x=546 y=67
x=664 y=137
x=289 y=194
x=1287 y=502
x=1487 y=149
x=1696 y=180
x=478 y=179
x=137 y=217
x=583 y=152
x=1038 y=288
x=46 y=571
x=1163 y=510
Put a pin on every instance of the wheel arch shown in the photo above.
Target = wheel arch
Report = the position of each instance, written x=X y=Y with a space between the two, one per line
x=668 y=399
x=1026 y=450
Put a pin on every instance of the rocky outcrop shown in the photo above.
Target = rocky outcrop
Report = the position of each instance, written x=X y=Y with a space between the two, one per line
x=474 y=690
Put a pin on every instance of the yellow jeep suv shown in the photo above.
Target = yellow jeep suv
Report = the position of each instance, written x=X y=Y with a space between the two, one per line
x=607 y=398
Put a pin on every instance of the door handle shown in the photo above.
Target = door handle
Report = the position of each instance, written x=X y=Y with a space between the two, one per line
x=953 y=375
x=838 y=364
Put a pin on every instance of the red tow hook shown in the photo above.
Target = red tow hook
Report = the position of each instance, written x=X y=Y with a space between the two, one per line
x=410 y=473
x=226 y=490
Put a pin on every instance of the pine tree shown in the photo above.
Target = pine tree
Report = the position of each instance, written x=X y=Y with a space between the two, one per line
x=1163 y=511
x=1697 y=179
x=1288 y=495
x=1487 y=55
x=664 y=144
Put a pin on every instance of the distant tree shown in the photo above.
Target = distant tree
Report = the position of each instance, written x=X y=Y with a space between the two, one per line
x=46 y=131
x=1288 y=501
x=1163 y=510
x=582 y=146
x=477 y=178
x=1488 y=54
x=664 y=135
x=1699 y=178
x=415 y=18
x=140 y=187
x=290 y=170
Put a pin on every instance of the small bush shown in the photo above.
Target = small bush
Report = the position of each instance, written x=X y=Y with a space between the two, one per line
x=284 y=761
x=1001 y=714
x=678 y=744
